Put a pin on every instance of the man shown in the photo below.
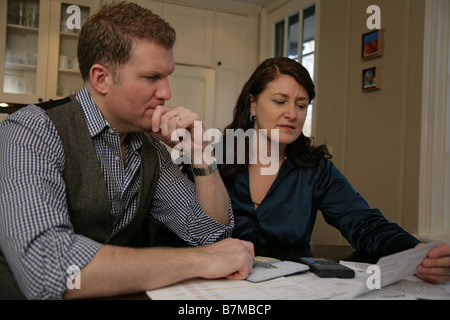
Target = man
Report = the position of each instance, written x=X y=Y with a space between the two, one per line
x=79 y=177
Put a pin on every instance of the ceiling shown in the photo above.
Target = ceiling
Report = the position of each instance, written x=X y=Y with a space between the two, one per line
x=255 y=2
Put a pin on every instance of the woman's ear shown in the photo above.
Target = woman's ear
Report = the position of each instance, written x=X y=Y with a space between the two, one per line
x=100 y=78
x=252 y=105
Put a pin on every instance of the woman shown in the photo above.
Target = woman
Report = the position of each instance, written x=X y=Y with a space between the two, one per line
x=280 y=209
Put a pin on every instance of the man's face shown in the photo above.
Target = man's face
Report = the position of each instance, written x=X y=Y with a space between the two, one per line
x=139 y=86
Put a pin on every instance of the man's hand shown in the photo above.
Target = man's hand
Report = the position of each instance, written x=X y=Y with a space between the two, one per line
x=229 y=258
x=166 y=120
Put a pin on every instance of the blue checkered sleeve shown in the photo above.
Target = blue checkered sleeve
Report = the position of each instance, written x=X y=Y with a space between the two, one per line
x=36 y=235
x=175 y=205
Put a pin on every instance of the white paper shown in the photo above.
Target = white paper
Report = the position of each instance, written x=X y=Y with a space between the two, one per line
x=223 y=289
x=398 y=266
x=411 y=288
x=397 y=282
x=334 y=288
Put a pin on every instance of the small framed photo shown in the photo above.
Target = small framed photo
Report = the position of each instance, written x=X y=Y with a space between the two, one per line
x=373 y=44
x=372 y=78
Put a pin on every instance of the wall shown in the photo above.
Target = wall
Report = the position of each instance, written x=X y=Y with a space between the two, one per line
x=374 y=136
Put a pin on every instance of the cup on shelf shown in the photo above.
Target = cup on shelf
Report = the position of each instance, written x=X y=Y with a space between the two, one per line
x=65 y=62
x=32 y=59
x=12 y=12
x=21 y=18
x=70 y=63
x=32 y=14
x=76 y=65
x=8 y=56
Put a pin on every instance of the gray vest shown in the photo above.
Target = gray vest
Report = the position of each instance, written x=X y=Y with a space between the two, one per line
x=87 y=196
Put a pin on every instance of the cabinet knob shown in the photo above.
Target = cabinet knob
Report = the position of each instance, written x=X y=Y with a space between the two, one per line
x=219 y=63
x=40 y=99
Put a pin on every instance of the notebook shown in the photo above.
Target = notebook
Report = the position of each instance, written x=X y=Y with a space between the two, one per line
x=282 y=268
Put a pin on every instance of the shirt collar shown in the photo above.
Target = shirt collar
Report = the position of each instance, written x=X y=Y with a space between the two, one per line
x=96 y=123
x=95 y=120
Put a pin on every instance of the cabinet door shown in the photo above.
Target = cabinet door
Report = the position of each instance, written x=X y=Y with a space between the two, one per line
x=64 y=76
x=23 y=50
x=193 y=88
x=194 y=28
x=231 y=56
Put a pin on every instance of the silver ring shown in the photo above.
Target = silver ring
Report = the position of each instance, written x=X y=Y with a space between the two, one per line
x=178 y=117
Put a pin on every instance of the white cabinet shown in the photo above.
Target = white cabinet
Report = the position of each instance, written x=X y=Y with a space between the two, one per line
x=64 y=77
x=215 y=52
x=23 y=49
x=221 y=41
x=231 y=54
x=193 y=88
x=33 y=36
x=194 y=28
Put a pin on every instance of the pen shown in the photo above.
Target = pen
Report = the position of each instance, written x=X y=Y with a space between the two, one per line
x=263 y=264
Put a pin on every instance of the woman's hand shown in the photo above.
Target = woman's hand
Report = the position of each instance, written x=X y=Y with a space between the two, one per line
x=435 y=268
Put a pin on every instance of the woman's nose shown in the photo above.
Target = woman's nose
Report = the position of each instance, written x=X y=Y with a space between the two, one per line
x=291 y=111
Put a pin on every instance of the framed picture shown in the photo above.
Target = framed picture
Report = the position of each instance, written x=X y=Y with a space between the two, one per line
x=372 y=78
x=373 y=44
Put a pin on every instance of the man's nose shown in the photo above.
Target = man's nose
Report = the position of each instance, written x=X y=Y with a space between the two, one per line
x=163 y=90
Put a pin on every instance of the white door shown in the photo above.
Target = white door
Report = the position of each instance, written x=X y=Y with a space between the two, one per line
x=231 y=53
x=193 y=88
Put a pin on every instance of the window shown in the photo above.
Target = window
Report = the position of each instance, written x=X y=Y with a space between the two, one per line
x=288 y=34
x=434 y=203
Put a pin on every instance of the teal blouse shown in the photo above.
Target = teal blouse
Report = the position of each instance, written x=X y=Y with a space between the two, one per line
x=287 y=214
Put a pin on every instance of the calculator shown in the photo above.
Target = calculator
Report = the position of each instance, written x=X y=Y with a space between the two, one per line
x=327 y=268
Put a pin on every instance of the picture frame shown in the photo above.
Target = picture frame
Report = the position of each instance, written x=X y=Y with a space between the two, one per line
x=372 y=78
x=372 y=44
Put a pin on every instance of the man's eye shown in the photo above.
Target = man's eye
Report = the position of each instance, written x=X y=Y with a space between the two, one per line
x=279 y=101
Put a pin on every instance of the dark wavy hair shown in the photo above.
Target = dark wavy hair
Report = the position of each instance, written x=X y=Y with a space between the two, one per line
x=301 y=151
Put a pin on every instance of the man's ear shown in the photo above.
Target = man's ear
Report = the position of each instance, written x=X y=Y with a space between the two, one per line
x=100 y=78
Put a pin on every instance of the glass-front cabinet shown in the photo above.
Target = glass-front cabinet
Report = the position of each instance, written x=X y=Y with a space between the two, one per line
x=38 y=48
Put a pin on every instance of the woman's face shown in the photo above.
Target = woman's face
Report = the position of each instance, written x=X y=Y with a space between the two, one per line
x=282 y=106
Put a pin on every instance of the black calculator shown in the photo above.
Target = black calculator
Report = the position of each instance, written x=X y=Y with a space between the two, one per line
x=327 y=268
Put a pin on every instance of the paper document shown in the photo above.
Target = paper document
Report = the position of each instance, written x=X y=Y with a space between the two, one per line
x=396 y=278
x=398 y=266
x=411 y=288
x=222 y=289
